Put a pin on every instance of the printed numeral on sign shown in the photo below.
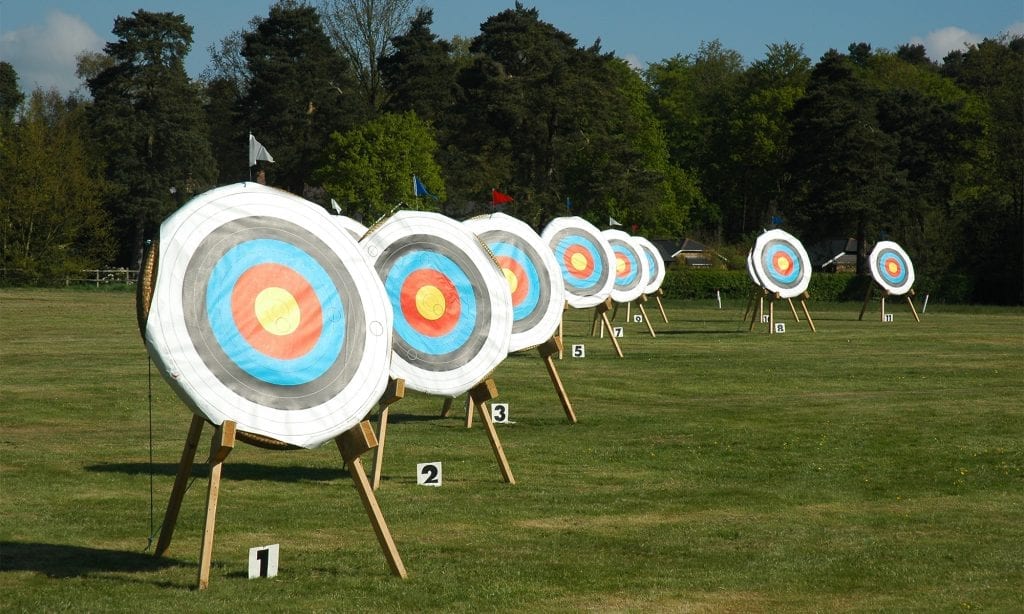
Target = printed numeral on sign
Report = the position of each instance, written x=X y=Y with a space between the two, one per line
x=638 y=318
x=428 y=474
x=780 y=327
x=764 y=319
x=263 y=561
x=579 y=350
x=499 y=413
x=888 y=317
x=618 y=331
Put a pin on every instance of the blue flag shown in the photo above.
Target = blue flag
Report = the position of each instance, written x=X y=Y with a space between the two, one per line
x=418 y=189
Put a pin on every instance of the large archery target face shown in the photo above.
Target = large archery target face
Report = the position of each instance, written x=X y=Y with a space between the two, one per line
x=891 y=267
x=535 y=283
x=631 y=266
x=585 y=259
x=655 y=264
x=267 y=314
x=453 y=310
x=781 y=263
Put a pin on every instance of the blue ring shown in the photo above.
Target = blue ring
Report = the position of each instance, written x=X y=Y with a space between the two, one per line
x=532 y=298
x=898 y=280
x=768 y=256
x=221 y=284
x=570 y=279
x=630 y=280
x=406 y=265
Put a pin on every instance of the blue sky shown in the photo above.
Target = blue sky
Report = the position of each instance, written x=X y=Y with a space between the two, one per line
x=41 y=37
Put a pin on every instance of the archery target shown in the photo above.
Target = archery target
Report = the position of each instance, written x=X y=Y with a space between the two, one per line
x=891 y=267
x=452 y=306
x=534 y=280
x=781 y=263
x=354 y=228
x=266 y=313
x=585 y=259
x=631 y=266
x=655 y=264
x=750 y=269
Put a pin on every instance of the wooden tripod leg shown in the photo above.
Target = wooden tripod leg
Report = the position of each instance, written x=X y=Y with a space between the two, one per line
x=881 y=311
x=615 y=312
x=793 y=309
x=447 y=407
x=771 y=317
x=392 y=394
x=750 y=303
x=657 y=297
x=755 y=314
x=913 y=310
x=807 y=314
x=469 y=412
x=222 y=444
x=481 y=394
x=867 y=297
x=601 y=311
x=351 y=444
x=188 y=456
x=546 y=350
x=561 y=322
x=593 y=325
x=643 y=312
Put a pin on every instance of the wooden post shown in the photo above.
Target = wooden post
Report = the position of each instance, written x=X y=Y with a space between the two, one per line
x=643 y=313
x=810 y=322
x=394 y=392
x=657 y=297
x=602 y=311
x=188 y=456
x=351 y=444
x=546 y=350
x=469 y=411
x=447 y=407
x=793 y=309
x=481 y=394
x=222 y=444
x=910 y=301
x=881 y=313
x=771 y=315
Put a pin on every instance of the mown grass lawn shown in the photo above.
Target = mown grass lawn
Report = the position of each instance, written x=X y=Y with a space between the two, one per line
x=868 y=466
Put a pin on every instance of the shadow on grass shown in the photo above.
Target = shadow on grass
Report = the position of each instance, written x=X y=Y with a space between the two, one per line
x=232 y=471
x=63 y=561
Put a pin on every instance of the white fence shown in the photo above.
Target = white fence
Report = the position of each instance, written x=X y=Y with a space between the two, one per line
x=99 y=277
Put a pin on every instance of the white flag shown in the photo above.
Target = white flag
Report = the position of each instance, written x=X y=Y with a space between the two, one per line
x=613 y=222
x=336 y=206
x=257 y=151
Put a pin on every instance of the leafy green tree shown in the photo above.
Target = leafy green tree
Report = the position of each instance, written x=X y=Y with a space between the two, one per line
x=369 y=169
x=843 y=165
x=148 y=121
x=51 y=217
x=419 y=74
x=10 y=95
x=300 y=90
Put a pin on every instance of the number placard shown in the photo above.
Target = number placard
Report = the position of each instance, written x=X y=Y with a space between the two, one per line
x=638 y=318
x=499 y=413
x=780 y=327
x=618 y=331
x=263 y=561
x=579 y=350
x=764 y=318
x=428 y=474
x=887 y=317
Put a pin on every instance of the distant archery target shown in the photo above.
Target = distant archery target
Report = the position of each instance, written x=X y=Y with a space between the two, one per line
x=453 y=309
x=655 y=264
x=354 y=228
x=585 y=259
x=750 y=269
x=891 y=267
x=265 y=313
x=534 y=280
x=781 y=263
x=631 y=266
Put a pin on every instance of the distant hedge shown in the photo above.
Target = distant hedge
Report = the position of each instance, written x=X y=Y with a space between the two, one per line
x=689 y=283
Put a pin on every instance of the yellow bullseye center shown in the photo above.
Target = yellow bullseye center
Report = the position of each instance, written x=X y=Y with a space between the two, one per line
x=430 y=302
x=620 y=264
x=510 y=277
x=892 y=267
x=783 y=263
x=277 y=311
x=578 y=261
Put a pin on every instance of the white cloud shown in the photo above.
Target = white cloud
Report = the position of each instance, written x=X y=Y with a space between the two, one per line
x=635 y=62
x=938 y=43
x=1016 y=29
x=44 y=56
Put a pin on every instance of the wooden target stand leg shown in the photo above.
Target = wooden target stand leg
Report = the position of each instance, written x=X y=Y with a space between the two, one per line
x=759 y=312
x=883 y=293
x=661 y=308
x=351 y=444
x=601 y=312
x=394 y=392
x=643 y=313
x=807 y=313
x=546 y=350
x=480 y=395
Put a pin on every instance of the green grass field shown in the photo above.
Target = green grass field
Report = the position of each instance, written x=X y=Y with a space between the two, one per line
x=866 y=467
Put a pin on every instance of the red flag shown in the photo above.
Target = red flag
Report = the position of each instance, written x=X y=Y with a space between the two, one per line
x=498 y=198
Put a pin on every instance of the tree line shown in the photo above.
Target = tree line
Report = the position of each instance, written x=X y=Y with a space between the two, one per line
x=354 y=97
